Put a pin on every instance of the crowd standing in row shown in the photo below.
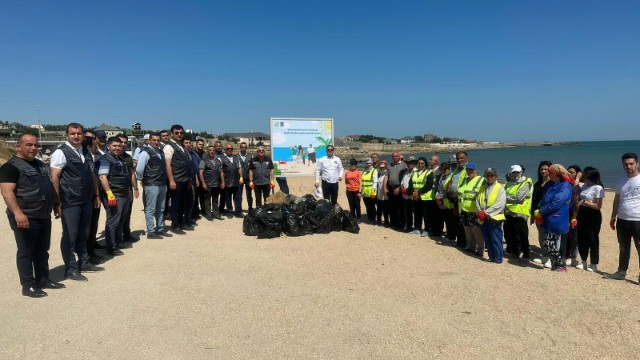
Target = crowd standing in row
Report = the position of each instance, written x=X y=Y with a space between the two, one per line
x=423 y=197
x=417 y=196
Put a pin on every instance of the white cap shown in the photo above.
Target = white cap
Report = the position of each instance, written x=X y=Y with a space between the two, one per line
x=515 y=168
x=146 y=136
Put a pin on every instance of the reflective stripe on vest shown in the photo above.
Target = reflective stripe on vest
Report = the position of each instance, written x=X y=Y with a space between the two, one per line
x=513 y=189
x=469 y=192
x=417 y=181
x=431 y=194
x=491 y=201
x=367 y=182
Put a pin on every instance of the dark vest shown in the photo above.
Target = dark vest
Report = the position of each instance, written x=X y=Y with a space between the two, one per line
x=211 y=171
x=155 y=173
x=34 y=189
x=261 y=171
x=76 y=179
x=245 y=165
x=230 y=170
x=181 y=164
x=119 y=176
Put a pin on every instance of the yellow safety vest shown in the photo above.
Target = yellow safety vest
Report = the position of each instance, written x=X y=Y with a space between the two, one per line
x=417 y=181
x=431 y=194
x=493 y=196
x=447 y=185
x=367 y=182
x=512 y=189
x=468 y=193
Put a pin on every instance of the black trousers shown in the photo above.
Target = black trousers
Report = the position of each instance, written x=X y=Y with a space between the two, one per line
x=354 y=203
x=589 y=222
x=382 y=211
x=396 y=209
x=370 y=207
x=233 y=198
x=262 y=193
x=282 y=184
x=516 y=235
x=181 y=200
x=408 y=214
x=330 y=191
x=248 y=192
x=627 y=230
x=211 y=196
x=433 y=218
x=450 y=222
x=126 y=227
x=33 y=250
x=461 y=238
x=198 y=204
x=93 y=230
x=417 y=215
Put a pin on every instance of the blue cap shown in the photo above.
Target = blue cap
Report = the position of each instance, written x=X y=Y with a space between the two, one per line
x=101 y=134
x=471 y=166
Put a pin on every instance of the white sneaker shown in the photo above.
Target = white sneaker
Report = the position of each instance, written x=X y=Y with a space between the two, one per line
x=425 y=234
x=593 y=268
x=582 y=265
x=567 y=262
x=537 y=261
x=415 y=232
x=548 y=264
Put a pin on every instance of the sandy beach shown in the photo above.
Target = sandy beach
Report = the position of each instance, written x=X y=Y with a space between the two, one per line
x=217 y=294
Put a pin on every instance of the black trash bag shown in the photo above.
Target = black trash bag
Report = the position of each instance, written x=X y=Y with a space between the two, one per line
x=349 y=223
x=338 y=214
x=271 y=216
x=310 y=202
x=292 y=225
x=290 y=199
x=251 y=226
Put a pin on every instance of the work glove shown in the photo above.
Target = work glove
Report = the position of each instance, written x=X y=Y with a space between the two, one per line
x=111 y=199
x=251 y=185
x=241 y=180
x=538 y=217
x=482 y=216
x=373 y=196
x=273 y=184
x=574 y=223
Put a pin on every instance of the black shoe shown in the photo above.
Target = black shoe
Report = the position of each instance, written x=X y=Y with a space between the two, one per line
x=99 y=247
x=89 y=267
x=48 y=284
x=218 y=217
x=34 y=292
x=96 y=259
x=76 y=276
x=164 y=234
x=187 y=227
x=131 y=239
x=239 y=215
x=177 y=231
x=125 y=246
x=153 y=236
x=210 y=218
x=115 y=252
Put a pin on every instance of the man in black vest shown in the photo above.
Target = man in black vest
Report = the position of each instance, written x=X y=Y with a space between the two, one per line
x=152 y=171
x=180 y=173
x=261 y=176
x=76 y=186
x=90 y=150
x=232 y=169
x=245 y=160
x=212 y=180
x=128 y=159
x=28 y=192
x=116 y=178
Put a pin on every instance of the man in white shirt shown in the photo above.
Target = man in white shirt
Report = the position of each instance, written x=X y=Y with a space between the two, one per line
x=330 y=171
x=625 y=216
x=76 y=188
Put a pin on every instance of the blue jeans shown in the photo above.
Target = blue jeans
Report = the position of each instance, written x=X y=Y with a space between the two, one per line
x=75 y=230
x=492 y=233
x=153 y=197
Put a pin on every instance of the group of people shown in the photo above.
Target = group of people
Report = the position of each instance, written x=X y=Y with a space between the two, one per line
x=90 y=171
x=425 y=197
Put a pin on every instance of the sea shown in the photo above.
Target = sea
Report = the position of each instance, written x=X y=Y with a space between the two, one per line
x=603 y=155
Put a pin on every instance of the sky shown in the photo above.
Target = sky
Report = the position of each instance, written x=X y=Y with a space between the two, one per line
x=506 y=71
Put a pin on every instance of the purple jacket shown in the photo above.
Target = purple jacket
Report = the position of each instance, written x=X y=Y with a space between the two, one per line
x=554 y=207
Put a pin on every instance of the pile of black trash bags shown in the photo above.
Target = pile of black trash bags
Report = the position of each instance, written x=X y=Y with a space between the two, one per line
x=298 y=216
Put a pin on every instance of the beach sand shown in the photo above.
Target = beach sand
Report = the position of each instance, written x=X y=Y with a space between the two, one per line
x=217 y=294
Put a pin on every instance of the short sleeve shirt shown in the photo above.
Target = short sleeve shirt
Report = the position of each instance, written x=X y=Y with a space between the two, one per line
x=591 y=193
x=629 y=191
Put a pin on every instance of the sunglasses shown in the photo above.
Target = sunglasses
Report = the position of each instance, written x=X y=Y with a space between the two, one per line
x=229 y=149
x=329 y=149
x=260 y=150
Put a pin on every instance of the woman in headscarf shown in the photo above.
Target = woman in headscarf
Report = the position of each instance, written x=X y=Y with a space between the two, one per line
x=553 y=213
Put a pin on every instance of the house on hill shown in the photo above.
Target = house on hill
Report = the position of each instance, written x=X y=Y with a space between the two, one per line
x=109 y=130
x=251 y=138
x=407 y=140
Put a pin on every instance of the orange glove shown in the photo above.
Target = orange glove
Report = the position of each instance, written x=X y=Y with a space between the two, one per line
x=482 y=216
x=251 y=185
x=538 y=217
x=272 y=184
x=373 y=196
x=574 y=223
x=241 y=180
x=111 y=199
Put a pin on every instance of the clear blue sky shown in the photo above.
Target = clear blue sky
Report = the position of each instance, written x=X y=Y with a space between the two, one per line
x=486 y=70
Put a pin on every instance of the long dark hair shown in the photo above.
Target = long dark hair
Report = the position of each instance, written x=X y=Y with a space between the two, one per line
x=593 y=175
x=542 y=163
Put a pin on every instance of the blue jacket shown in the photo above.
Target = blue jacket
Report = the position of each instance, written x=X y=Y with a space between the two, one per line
x=554 y=208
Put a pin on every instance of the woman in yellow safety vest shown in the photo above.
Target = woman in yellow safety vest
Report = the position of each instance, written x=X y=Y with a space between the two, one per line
x=370 y=190
x=467 y=194
x=491 y=202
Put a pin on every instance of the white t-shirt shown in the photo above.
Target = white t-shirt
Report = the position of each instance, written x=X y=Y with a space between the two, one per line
x=629 y=191
x=591 y=193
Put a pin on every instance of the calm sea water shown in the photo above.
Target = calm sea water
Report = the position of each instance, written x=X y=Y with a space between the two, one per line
x=603 y=155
